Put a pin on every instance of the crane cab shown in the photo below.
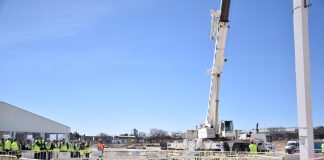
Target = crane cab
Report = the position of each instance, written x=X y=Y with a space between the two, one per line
x=226 y=129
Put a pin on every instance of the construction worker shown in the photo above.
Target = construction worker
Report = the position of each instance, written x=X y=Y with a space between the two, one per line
x=77 y=149
x=2 y=143
x=36 y=148
x=253 y=147
x=323 y=148
x=8 y=145
x=56 y=149
x=15 y=148
x=82 y=148
x=63 y=146
x=49 y=148
x=42 y=148
x=71 y=149
x=87 y=149
x=101 y=148
x=28 y=145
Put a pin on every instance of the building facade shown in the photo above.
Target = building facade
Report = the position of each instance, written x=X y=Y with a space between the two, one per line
x=21 y=124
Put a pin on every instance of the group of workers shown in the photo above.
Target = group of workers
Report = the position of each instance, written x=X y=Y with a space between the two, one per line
x=45 y=149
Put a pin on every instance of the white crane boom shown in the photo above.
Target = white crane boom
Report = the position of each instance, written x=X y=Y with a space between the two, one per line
x=219 y=29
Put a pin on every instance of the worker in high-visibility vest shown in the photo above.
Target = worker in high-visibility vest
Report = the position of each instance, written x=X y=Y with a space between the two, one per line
x=56 y=148
x=71 y=149
x=2 y=143
x=15 y=148
x=82 y=148
x=36 y=148
x=28 y=145
x=63 y=146
x=87 y=149
x=42 y=148
x=323 y=148
x=253 y=147
x=77 y=149
x=7 y=146
x=49 y=148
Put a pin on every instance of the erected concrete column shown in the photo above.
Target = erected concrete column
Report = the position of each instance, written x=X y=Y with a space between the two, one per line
x=13 y=135
x=42 y=134
x=302 y=60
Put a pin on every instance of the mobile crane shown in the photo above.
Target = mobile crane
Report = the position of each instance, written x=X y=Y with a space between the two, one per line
x=214 y=135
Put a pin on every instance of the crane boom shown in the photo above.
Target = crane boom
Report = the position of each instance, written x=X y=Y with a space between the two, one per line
x=219 y=29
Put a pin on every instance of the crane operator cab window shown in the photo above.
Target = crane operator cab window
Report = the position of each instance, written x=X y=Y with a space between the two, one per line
x=227 y=126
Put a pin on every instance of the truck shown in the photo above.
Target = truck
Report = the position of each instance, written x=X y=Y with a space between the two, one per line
x=292 y=146
x=214 y=135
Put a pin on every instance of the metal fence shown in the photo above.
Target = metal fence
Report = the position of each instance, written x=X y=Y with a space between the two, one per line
x=7 y=155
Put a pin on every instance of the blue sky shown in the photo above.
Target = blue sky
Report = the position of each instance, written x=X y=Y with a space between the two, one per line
x=110 y=66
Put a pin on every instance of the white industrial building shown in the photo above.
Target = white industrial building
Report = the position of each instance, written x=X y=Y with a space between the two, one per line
x=21 y=124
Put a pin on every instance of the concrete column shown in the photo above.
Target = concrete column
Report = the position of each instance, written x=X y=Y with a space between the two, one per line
x=13 y=135
x=302 y=64
x=42 y=134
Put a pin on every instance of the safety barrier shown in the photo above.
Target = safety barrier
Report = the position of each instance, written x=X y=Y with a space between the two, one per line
x=7 y=157
x=147 y=154
x=51 y=155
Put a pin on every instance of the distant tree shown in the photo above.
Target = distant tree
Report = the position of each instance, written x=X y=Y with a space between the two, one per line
x=158 y=134
x=141 y=134
x=103 y=135
x=319 y=132
x=75 y=135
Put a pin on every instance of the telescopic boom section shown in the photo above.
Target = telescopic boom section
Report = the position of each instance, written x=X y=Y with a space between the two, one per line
x=225 y=10
x=221 y=24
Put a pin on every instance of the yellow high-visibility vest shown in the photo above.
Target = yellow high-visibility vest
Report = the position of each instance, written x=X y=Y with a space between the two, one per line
x=323 y=148
x=71 y=147
x=36 y=148
x=1 y=146
x=8 y=145
x=64 y=147
x=15 y=146
x=253 y=148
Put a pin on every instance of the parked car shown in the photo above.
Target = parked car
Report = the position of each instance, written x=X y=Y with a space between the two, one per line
x=293 y=146
x=318 y=146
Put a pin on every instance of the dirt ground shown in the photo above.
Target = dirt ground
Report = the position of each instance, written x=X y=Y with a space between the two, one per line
x=280 y=146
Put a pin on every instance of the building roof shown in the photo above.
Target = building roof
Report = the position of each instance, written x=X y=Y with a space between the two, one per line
x=13 y=118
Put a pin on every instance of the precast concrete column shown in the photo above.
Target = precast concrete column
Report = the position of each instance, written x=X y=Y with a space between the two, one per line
x=303 y=87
